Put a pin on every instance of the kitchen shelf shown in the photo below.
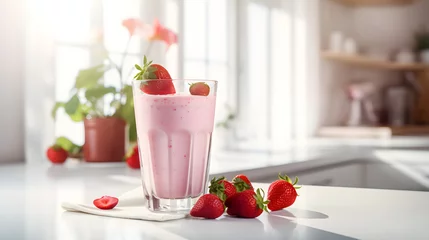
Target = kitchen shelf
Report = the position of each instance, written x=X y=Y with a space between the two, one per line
x=366 y=3
x=368 y=62
x=373 y=132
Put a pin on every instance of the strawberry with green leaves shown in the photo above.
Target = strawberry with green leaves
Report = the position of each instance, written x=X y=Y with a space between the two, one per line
x=222 y=188
x=247 y=204
x=56 y=154
x=132 y=157
x=242 y=183
x=282 y=193
x=161 y=84
x=208 y=206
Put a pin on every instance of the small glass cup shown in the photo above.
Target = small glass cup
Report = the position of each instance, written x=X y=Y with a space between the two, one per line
x=174 y=138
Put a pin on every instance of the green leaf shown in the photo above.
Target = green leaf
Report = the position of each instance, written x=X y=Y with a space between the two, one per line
x=145 y=60
x=79 y=115
x=72 y=105
x=67 y=145
x=132 y=131
x=152 y=69
x=97 y=92
x=88 y=78
x=138 y=67
x=55 y=109
x=152 y=75
x=126 y=112
x=116 y=104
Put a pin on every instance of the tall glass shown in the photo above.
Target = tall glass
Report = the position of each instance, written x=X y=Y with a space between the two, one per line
x=174 y=137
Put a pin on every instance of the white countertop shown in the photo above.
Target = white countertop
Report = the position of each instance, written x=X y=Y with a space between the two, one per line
x=31 y=197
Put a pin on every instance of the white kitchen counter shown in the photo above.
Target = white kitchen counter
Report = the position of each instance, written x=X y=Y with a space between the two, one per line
x=31 y=197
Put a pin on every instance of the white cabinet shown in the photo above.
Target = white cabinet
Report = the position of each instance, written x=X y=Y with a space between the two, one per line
x=350 y=175
x=344 y=176
x=381 y=175
x=364 y=174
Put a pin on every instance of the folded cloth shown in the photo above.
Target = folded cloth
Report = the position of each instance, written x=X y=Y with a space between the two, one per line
x=131 y=205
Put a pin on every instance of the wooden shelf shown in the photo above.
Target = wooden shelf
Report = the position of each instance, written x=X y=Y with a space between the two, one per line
x=368 y=62
x=366 y=3
x=373 y=132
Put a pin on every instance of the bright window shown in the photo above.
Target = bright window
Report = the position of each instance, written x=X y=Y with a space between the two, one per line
x=256 y=49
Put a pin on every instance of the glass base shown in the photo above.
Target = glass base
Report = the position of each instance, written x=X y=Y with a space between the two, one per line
x=171 y=205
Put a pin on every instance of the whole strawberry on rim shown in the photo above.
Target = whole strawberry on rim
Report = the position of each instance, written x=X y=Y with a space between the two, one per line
x=162 y=83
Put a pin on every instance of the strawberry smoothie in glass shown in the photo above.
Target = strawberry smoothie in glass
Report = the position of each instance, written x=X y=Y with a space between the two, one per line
x=175 y=120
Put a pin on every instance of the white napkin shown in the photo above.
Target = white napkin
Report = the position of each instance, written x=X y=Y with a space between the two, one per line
x=131 y=205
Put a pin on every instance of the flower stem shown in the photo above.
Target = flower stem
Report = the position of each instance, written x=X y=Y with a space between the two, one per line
x=149 y=47
x=121 y=66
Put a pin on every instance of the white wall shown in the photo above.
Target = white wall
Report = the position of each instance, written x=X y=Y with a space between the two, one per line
x=11 y=81
x=386 y=28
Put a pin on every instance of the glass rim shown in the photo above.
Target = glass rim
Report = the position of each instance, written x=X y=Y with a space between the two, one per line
x=180 y=79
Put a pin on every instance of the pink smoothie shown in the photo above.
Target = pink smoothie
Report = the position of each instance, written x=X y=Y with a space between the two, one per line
x=174 y=134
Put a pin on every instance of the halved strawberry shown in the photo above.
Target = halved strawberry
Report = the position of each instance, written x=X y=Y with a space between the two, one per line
x=106 y=202
x=161 y=83
x=199 y=88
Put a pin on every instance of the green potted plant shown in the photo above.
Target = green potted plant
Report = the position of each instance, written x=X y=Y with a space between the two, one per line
x=105 y=130
x=422 y=45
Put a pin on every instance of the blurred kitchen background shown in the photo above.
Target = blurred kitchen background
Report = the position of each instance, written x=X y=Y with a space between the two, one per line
x=315 y=88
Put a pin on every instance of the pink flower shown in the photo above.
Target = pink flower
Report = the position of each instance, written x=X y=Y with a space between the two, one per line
x=133 y=25
x=157 y=32
x=161 y=33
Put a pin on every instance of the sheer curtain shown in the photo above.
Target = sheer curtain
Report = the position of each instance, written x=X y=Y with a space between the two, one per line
x=278 y=63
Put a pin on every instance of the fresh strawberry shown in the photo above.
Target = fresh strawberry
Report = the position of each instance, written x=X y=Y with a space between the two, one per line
x=208 y=206
x=136 y=149
x=132 y=158
x=133 y=161
x=222 y=188
x=105 y=202
x=199 y=88
x=57 y=154
x=241 y=183
x=158 y=79
x=282 y=193
x=246 y=204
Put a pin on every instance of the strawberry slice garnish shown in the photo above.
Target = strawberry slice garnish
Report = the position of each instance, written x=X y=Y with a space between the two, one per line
x=106 y=202
x=161 y=84
x=199 y=88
